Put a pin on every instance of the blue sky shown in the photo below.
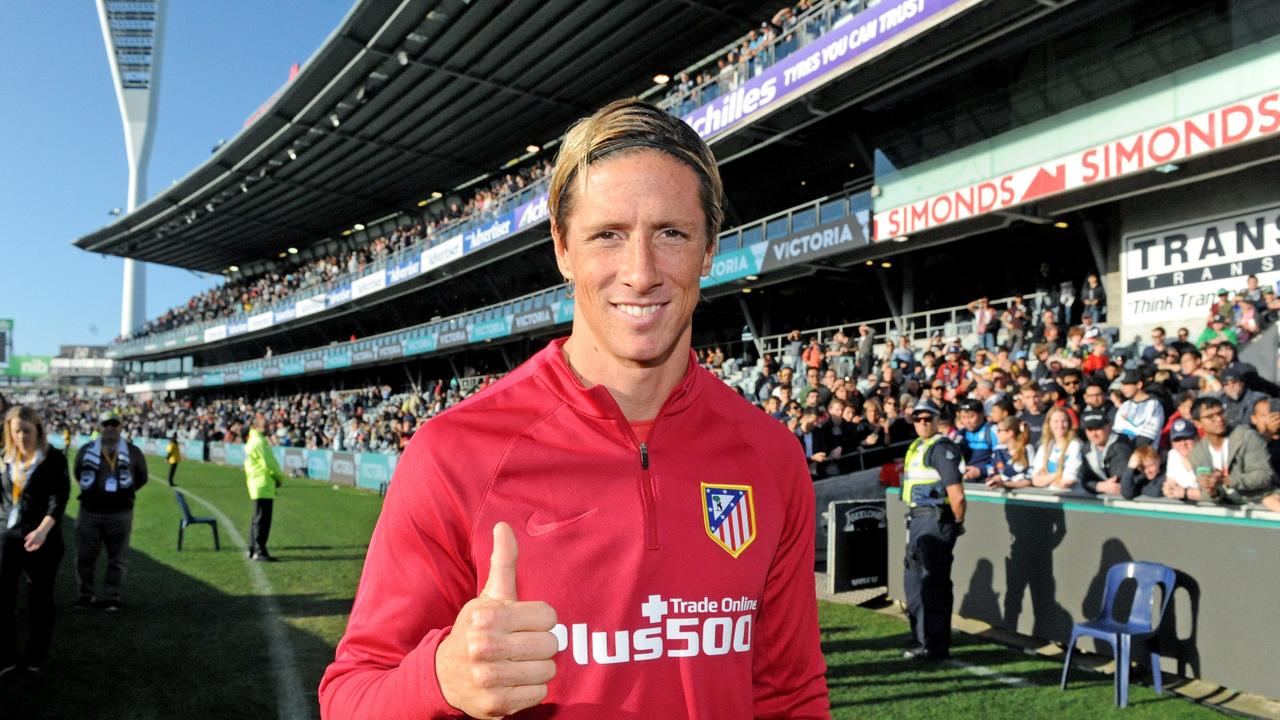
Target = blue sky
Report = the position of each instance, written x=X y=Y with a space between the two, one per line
x=62 y=147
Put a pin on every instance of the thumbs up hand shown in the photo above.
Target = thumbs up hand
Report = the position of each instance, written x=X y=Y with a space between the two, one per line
x=497 y=659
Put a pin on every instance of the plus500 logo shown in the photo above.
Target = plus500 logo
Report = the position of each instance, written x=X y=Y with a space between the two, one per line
x=677 y=637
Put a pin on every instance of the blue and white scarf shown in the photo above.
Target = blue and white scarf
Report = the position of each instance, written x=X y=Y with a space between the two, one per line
x=123 y=477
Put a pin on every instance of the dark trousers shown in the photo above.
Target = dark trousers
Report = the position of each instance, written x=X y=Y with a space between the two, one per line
x=927 y=581
x=173 y=468
x=260 y=528
x=40 y=567
x=93 y=531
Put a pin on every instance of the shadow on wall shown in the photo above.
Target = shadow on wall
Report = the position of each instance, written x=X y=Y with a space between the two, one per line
x=1037 y=532
x=981 y=601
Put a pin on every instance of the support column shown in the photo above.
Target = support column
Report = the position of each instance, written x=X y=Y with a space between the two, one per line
x=751 y=325
x=894 y=308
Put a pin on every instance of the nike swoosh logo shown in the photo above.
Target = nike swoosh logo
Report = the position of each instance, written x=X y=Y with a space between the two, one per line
x=537 y=528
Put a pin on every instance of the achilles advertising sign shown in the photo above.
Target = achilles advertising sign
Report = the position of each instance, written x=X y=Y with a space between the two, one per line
x=827 y=57
x=531 y=213
x=1174 y=274
x=1206 y=132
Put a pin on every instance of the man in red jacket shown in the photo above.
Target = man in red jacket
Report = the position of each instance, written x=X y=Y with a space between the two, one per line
x=663 y=526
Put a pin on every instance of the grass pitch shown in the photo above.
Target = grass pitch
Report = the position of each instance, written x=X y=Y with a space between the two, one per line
x=190 y=641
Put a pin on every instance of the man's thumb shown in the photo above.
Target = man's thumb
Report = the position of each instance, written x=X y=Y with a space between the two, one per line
x=502 y=565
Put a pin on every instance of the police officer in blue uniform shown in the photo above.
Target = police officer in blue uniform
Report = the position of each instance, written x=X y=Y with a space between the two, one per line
x=933 y=490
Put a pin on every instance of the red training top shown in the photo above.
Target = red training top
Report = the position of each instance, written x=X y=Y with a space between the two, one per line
x=680 y=569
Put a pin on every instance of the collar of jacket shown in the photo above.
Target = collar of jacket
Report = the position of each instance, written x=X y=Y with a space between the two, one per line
x=596 y=401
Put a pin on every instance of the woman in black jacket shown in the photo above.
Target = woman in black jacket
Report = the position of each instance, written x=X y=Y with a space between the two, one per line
x=35 y=484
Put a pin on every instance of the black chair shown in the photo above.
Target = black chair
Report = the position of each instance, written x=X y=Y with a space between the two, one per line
x=189 y=519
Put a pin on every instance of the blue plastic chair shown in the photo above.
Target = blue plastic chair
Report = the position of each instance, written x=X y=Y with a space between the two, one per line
x=1119 y=634
x=189 y=519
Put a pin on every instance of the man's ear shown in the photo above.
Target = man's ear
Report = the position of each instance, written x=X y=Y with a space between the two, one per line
x=559 y=244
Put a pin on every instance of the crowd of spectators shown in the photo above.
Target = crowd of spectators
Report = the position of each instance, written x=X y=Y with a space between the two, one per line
x=790 y=29
x=245 y=294
x=372 y=419
x=1041 y=396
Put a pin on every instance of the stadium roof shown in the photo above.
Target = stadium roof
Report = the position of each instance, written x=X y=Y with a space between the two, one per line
x=408 y=98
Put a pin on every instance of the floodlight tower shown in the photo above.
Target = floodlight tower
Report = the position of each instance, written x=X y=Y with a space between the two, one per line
x=133 y=32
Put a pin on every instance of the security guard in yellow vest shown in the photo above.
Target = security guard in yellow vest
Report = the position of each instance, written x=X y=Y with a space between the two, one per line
x=933 y=489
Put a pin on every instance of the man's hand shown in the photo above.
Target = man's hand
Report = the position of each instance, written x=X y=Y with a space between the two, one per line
x=1110 y=486
x=972 y=472
x=497 y=660
x=1171 y=489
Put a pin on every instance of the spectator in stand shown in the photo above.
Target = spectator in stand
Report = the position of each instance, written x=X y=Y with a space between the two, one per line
x=1001 y=409
x=900 y=428
x=938 y=396
x=1014 y=320
x=766 y=382
x=1157 y=348
x=1097 y=358
x=977 y=440
x=1144 y=474
x=813 y=354
x=1032 y=414
x=1182 y=410
x=1217 y=330
x=1106 y=456
x=815 y=442
x=1183 y=344
x=866 y=350
x=1140 y=417
x=1010 y=460
x=1057 y=462
x=875 y=426
x=1237 y=401
x=1266 y=421
x=1094 y=299
x=984 y=322
x=1232 y=464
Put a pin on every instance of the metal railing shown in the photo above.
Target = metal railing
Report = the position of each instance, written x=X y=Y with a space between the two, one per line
x=950 y=322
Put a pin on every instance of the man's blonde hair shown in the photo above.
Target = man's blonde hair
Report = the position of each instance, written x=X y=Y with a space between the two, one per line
x=630 y=125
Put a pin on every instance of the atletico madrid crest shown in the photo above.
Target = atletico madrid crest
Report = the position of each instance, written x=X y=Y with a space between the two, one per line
x=730 y=516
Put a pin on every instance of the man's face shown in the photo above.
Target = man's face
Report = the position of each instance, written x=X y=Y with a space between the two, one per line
x=1260 y=417
x=771 y=405
x=1233 y=387
x=1128 y=389
x=1094 y=396
x=970 y=420
x=924 y=425
x=1070 y=383
x=811 y=375
x=829 y=378
x=110 y=432
x=811 y=399
x=1098 y=436
x=1030 y=400
x=998 y=413
x=635 y=245
x=1157 y=337
x=1213 y=421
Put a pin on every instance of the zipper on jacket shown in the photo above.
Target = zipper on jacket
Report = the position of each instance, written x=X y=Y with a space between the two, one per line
x=648 y=511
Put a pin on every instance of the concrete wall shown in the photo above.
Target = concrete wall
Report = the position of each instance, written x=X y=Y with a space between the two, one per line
x=1035 y=563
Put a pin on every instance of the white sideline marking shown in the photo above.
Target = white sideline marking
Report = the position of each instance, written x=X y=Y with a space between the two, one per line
x=292 y=699
x=986 y=672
